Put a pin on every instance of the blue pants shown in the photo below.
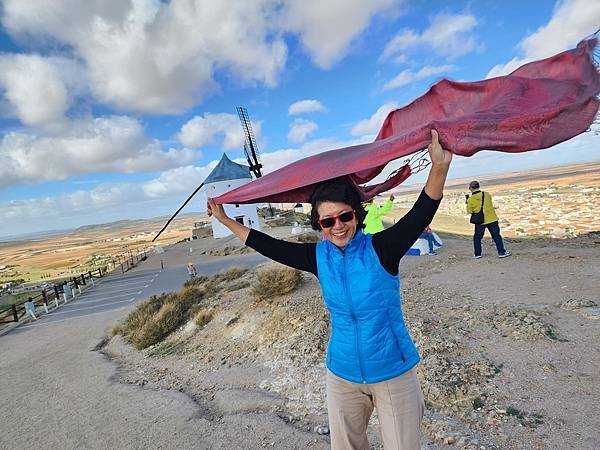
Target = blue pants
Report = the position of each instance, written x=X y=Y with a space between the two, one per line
x=494 y=231
x=430 y=240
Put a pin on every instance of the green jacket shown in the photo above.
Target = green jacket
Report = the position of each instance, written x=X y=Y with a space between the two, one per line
x=474 y=205
x=373 y=222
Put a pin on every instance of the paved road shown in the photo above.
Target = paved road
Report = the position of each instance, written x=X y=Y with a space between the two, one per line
x=56 y=392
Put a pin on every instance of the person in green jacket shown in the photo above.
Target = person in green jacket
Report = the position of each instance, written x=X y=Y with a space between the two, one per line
x=373 y=221
x=490 y=220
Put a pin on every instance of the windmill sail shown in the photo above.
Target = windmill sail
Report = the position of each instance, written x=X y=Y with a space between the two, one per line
x=250 y=147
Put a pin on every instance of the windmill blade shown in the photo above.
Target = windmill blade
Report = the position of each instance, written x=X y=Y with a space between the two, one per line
x=250 y=146
x=177 y=212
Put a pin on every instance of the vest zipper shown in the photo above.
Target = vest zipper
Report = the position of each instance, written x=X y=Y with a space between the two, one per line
x=354 y=321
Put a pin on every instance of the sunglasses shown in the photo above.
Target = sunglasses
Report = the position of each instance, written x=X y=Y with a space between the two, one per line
x=328 y=222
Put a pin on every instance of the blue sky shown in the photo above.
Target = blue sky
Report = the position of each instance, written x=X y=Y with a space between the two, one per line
x=114 y=109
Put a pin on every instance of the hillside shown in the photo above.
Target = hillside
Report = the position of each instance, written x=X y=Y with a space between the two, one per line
x=510 y=352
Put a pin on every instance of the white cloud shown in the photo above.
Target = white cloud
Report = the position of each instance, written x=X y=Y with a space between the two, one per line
x=408 y=76
x=107 y=144
x=180 y=180
x=300 y=129
x=200 y=131
x=571 y=21
x=326 y=28
x=305 y=106
x=373 y=124
x=160 y=57
x=448 y=34
x=157 y=57
x=34 y=87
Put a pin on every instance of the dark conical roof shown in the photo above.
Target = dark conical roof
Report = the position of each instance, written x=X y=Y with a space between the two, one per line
x=228 y=170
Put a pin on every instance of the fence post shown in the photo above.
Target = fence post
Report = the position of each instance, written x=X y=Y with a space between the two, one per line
x=14 y=311
x=56 y=295
x=82 y=279
x=76 y=286
x=91 y=277
x=162 y=266
x=45 y=300
x=122 y=271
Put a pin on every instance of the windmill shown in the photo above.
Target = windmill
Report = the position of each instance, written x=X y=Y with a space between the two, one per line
x=251 y=152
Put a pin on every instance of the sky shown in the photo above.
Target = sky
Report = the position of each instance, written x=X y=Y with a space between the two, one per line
x=118 y=109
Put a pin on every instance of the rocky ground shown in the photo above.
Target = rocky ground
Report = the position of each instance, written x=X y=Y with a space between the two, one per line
x=510 y=352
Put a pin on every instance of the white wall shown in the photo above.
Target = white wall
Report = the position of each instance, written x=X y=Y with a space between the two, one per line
x=246 y=212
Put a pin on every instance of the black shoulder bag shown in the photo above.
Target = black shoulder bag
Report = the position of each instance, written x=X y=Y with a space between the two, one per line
x=477 y=218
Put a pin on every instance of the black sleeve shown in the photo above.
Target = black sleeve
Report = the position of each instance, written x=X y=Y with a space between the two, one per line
x=296 y=255
x=391 y=244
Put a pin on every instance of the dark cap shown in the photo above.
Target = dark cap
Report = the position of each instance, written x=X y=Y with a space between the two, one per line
x=473 y=184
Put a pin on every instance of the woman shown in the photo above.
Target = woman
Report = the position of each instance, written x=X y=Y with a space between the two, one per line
x=371 y=358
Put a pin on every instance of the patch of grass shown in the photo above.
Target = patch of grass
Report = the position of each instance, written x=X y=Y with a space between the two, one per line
x=165 y=348
x=478 y=403
x=552 y=335
x=308 y=237
x=528 y=420
x=276 y=281
x=512 y=411
x=203 y=317
x=154 y=320
x=232 y=274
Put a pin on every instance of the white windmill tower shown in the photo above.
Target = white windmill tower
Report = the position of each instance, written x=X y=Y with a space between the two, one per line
x=228 y=175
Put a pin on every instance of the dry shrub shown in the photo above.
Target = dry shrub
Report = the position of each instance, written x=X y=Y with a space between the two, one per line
x=232 y=274
x=197 y=281
x=203 y=317
x=154 y=320
x=276 y=281
x=308 y=237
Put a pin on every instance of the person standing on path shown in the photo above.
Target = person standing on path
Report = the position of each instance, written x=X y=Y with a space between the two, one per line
x=371 y=357
x=373 y=221
x=191 y=270
x=490 y=220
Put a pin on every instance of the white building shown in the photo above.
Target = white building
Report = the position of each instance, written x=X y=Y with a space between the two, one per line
x=226 y=176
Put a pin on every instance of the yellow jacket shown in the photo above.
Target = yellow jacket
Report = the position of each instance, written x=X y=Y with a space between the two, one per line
x=474 y=205
x=373 y=223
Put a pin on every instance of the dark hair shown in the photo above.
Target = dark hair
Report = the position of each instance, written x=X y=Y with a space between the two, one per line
x=336 y=190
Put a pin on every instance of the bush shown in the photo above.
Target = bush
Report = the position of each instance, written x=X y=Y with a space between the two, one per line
x=203 y=317
x=276 y=281
x=154 y=320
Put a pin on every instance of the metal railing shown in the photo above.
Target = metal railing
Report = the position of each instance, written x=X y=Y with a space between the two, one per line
x=63 y=292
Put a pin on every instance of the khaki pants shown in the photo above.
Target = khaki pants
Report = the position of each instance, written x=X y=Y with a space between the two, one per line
x=399 y=404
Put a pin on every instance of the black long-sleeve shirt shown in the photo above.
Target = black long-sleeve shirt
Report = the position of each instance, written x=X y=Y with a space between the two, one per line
x=390 y=244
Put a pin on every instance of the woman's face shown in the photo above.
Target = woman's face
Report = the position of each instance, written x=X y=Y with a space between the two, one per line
x=341 y=232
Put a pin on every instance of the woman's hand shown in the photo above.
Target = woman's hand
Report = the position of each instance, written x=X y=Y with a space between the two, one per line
x=440 y=163
x=438 y=155
x=215 y=210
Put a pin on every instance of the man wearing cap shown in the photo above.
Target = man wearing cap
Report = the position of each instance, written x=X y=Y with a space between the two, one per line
x=490 y=220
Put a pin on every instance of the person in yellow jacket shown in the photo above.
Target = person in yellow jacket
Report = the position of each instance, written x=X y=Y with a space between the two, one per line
x=490 y=220
x=373 y=223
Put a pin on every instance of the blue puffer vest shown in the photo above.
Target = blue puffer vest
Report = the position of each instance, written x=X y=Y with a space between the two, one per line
x=369 y=341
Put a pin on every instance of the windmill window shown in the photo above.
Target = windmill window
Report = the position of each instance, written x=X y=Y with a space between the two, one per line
x=240 y=219
x=228 y=185
x=237 y=206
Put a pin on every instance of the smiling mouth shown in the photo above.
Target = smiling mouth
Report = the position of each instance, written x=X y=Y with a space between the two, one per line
x=340 y=234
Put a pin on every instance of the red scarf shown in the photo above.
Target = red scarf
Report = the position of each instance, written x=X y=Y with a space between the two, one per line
x=537 y=106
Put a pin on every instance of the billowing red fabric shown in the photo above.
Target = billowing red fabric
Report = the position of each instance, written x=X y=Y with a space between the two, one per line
x=537 y=106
